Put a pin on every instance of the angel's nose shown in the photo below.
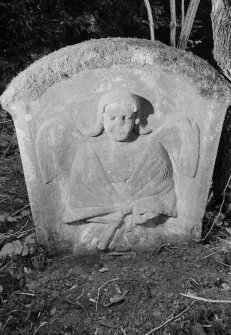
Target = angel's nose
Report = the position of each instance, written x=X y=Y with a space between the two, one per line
x=119 y=121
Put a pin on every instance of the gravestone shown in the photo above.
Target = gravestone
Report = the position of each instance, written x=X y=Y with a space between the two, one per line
x=118 y=139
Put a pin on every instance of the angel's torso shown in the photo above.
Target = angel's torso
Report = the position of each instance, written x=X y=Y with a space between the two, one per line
x=119 y=159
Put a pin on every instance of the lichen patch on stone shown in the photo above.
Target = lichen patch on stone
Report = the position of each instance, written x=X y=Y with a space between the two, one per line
x=63 y=64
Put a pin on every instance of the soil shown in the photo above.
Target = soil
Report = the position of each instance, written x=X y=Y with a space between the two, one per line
x=117 y=294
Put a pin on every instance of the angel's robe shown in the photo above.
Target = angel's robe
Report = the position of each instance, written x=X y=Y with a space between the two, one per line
x=141 y=181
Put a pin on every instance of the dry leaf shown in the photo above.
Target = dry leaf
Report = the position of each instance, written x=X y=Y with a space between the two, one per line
x=73 y=287
x=11 y=219
x=25 y=250
x=104 y=270
x=25 y=212
x=117 y=288
x=10 y=249
x=27 y=270
x=52 y=311
x=2 y=218
x=117 y=298
x=30 y=239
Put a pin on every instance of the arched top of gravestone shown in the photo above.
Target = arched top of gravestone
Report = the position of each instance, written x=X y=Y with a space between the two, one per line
x=63 y=64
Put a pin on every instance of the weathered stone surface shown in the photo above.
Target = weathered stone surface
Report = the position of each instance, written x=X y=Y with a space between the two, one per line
x=118 y=139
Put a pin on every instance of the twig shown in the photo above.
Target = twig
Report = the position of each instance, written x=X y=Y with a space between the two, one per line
x=162 y=247
x=18 y=233
x=7 y=149
x=5 y=323
x=41 y=325
x=150 y=19
x=13 y=311
x=5 y=265
x=20 y=210
x=216 y=218
x=80 y=295
x=213 y=253
x=25 y=232
x=172 y=247
x=25 y=293
x=169 y=320
x=193 y=281
x=22 y=227
x=206 y=300
x=229 y=266
x=6 y=121
x=75 y=303
x=8 y=4
x=97 y=300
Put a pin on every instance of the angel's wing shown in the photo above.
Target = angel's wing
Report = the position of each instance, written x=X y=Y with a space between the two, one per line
x=181 y=138
x=53 y=145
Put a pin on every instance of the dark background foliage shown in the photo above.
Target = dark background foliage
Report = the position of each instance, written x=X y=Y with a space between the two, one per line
x=30 y=29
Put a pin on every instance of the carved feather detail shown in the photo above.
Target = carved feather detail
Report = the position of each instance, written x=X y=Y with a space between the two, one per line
x=181 y=138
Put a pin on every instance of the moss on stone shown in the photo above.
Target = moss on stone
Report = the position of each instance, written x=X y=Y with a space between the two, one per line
x=63 y=64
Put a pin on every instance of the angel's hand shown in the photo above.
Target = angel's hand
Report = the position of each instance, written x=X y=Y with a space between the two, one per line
x=123 y=210
x=141 y=215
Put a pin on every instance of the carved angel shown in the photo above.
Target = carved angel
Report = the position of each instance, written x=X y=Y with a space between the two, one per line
x=124 y=176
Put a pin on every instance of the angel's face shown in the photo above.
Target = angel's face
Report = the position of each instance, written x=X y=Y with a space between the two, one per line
x=118 y=120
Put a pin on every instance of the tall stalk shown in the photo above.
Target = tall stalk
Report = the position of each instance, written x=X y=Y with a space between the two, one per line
x=173 y=23
x=188 y=23
x=150 y=19
x=182 y=14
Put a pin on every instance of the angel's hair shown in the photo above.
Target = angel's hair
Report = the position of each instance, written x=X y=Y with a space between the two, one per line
x=116 y=97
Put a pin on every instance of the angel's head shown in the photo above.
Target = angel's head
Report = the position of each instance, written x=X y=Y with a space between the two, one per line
x=119 y=120
x=118 y=115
